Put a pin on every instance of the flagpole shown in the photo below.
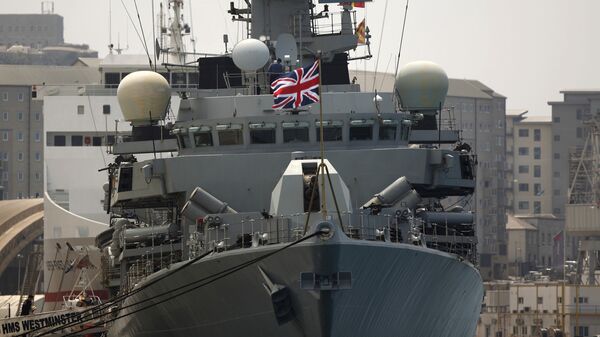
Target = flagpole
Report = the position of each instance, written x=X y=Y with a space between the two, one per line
x=322 y=145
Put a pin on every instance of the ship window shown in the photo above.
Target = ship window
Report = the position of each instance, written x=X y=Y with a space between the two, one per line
x=295 y=132
x=332 y=131
x=76 y=140
x=179 y=79
x=97 y=141
x=262 y=133
x=194 y=78
x=112 y=80
x=80 y=109
x=387 y=130
x=202 y=136
x=361 y=129
x=230 y=134
x=60 y=140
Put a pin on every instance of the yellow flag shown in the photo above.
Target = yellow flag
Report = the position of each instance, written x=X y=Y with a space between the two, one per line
x=360 y=32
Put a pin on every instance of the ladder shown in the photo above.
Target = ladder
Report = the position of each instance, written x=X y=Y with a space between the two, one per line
x=31 y=279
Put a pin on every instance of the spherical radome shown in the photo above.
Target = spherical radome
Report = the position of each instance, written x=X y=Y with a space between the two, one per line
x=144 y=96
x=421 y=86
x=250 y=54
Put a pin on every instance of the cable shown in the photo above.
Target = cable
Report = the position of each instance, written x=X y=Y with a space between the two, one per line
x=209 y=279
x=380 y=44
x=143 y=35
x=137 y=32
x=215 y=277
x=90 y=312
x=401 y=42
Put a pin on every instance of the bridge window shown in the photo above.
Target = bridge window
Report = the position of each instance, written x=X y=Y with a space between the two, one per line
x=295 y=132
x=76 y=140
x=332 y=131
x=361 y=129
x=387 y=130
x=230 y=134
x=181 y=137
x=262 y=133
x=202 y=135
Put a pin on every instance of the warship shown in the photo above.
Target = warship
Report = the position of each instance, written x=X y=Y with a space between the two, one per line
x=325 y=219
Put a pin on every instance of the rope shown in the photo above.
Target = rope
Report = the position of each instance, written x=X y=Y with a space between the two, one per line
x=203 y=282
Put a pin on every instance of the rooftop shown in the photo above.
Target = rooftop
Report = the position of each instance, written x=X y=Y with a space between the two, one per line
x=514 y=223
x=47 y=75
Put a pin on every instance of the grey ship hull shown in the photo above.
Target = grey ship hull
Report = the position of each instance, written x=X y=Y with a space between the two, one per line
x=396 y=290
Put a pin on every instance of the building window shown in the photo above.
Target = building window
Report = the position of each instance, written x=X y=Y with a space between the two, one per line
x=5 y=136
x=20 y=136
x=537 y=171
x=537 y=153
x=4 y=176
x=80 y=109
x=20 y=156
x=60 y=140
x=520 y=300
x=20 y=116
x=38 y=156
x=37 y=116
x=523 y=169
x=556 y=119
x=20 y=176
x=537 y=207
x=5 y=96
x=537 y=135
x=537 y=189
x=523 y=132
x=556 y=174
x=37 y=136
x=581 y=331
x=523 y=204
x=5 y=116
x=579 y=114
x=76 y=140
x=21 y=97
x=556 y=193
x=523 y=151
x=557 y=156
x=540 y=300
x=523 y=187
x=38 y=176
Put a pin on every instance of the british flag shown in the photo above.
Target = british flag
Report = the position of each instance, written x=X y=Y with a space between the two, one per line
x=297 y=88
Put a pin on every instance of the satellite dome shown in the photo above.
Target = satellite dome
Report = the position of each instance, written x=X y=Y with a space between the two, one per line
x=143 y=97
x=250 y=54
x=421 y=86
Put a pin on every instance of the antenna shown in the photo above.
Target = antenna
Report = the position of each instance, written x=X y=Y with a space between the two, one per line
x=110 y=41
x=47 y=7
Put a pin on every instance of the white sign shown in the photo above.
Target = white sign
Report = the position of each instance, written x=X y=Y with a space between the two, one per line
x=19 y=325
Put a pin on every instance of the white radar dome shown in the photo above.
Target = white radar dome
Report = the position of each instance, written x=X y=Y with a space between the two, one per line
x=250 y=54
x=421 y=86
x=143 y=97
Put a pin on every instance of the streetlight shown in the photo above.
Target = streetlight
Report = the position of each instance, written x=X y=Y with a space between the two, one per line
x=19 y=258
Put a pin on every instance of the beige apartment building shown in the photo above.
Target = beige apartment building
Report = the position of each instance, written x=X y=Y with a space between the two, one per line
x=539 y=309
x=529 y=146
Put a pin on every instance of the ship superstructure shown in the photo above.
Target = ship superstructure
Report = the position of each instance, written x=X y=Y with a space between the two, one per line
x=242 y=232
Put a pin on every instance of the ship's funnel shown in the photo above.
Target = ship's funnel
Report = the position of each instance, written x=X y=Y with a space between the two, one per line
x=143 y=97
x=421 y=86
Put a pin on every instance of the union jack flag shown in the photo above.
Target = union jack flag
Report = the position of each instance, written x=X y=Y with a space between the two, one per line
x=297 y=88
